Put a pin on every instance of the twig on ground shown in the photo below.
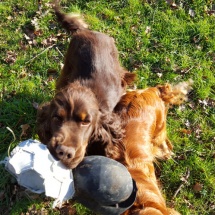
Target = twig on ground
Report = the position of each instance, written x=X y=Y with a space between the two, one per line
x=184 y=181
x=40 y=54
x=188 y=203
x=14 y=138
x=59 y=51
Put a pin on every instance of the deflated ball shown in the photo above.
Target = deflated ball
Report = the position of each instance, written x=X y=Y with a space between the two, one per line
x=36 y=169
x=104 y=185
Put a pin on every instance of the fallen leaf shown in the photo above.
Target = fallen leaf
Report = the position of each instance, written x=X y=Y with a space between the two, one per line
x=27 y=37
x=68 y=210
x=38 y=32
x=196 y=39
x=34 y=22
x=49 y=41
x=50 y=78
x=182 y=107
x=35 y=105
x=49 y=4
x=51 y=74
x=204 y=103
x=197 y=187
x=34 y=42
x=23 y=46
x=182 y=157
x=169 y=1
x=210 y=12
x=167 y=60
x=198 y=131
x=159 y=74
x=12 y=93
x=60 y=35
x=24 y=127
x=172 y=4
x=9 y=18
x=23 y=74
x=61 y=65
x=186 y=131
x=11 y=57
x=187 y=123
x=212 y=206
x=52 y=71
x=148 y=29
x=191 y=12
x=191 y=105
x=31 y=34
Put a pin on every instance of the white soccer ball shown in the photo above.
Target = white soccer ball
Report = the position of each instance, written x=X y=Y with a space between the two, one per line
x=36 y=169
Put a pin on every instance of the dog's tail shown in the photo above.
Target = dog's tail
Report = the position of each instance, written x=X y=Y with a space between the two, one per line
x=71 y=22
x=175 y=94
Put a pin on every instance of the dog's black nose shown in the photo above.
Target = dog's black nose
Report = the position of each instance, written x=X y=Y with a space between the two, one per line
x=65 y=153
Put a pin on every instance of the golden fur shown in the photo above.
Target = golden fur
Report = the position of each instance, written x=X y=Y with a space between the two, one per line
x=144 y=115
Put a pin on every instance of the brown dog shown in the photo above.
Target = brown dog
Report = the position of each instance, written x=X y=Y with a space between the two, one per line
x=144 y=113
x=91 y=83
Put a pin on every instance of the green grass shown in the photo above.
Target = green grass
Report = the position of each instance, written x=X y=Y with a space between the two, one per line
x=176 y=47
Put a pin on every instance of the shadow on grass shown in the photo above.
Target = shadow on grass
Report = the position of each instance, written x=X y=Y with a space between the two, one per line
x=16 y=109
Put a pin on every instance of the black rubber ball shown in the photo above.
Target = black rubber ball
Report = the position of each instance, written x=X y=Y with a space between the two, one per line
x=104 y=185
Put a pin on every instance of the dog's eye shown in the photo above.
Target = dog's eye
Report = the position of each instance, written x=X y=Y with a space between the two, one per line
x=83 y=118
x=85 y=122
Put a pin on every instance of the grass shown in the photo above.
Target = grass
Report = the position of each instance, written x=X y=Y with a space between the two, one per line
x=159 y=41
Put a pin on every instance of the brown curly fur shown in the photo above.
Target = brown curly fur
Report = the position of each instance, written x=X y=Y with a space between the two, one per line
x=91 y=83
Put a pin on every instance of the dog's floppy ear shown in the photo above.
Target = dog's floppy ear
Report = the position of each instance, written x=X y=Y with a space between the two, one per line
x=108 y=134
x=128 y=78
x=43 y=123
